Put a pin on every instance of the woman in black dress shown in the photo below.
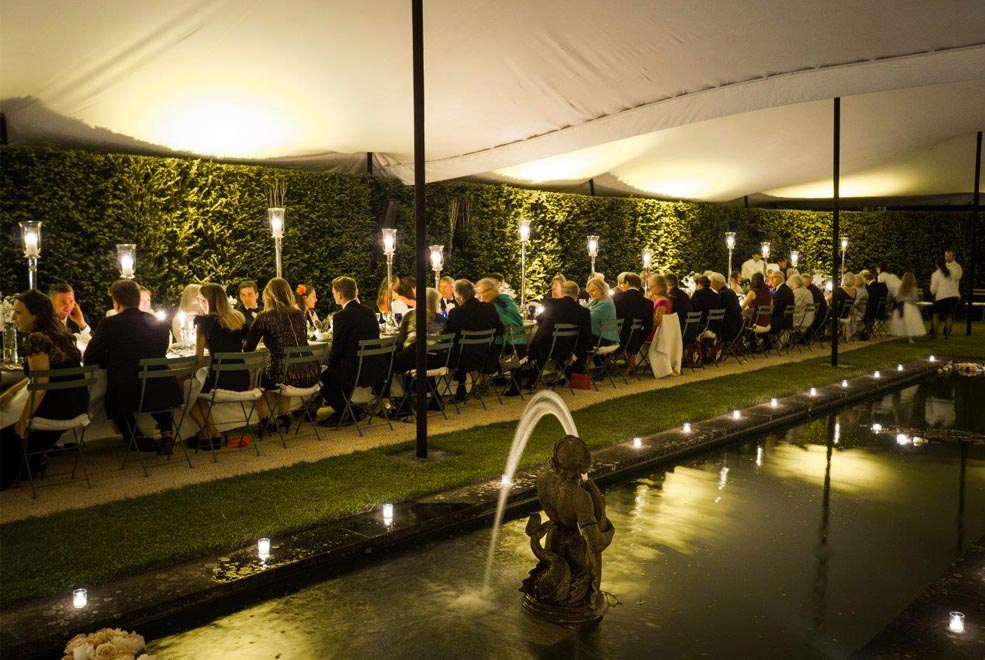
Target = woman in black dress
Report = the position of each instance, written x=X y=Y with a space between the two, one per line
x=281 y=324
x=48 y=345
x=221 y=329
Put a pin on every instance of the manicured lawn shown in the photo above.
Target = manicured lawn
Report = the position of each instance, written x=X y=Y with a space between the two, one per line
x=52 y=554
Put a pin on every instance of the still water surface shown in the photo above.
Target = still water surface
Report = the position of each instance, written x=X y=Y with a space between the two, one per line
x=802 y=545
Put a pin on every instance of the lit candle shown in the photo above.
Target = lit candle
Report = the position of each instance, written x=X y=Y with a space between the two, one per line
x=794 y=258
x=774 y=403
x=764 y=249
x=877 y=428
x=902 y=439
x=933 y=359
x=80 y=598
x=276 y=216
x=844 y=383
x=31 y=244
x=813 y=391
x=263 y=549
x=899 y=367
x=637 y=442
x=730 y=240
x=593 y=246
x=877 y=375
x=437 y=257
x=388 y=511
x=956 y=623
x=759 y=456
x=524 y=231
x=687 y=427
x=126 y=265
x=736 y=414
x=647 y=258
x=389 y=241
x=505 y=480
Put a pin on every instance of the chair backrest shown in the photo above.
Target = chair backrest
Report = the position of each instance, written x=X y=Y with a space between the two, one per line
x=513 y=334
x=476 y=337
x=568 y=334
x=443 y=343
x=382 y=347
x=61 y=379
x=154 y=369
x=608 y=326
x=299 y=355
x=253 y=361
x=716 y=315
x=692 y=322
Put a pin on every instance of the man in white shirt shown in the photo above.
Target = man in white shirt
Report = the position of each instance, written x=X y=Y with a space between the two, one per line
x=954 y=267
x=63 y=298
x=891 y=281
x=754 y=265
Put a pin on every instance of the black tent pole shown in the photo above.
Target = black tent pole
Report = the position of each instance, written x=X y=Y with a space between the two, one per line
x=417 y=20
x=835 y=203
x=974 y=235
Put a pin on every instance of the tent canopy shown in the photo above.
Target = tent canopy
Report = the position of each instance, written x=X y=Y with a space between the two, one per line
x=710 y=101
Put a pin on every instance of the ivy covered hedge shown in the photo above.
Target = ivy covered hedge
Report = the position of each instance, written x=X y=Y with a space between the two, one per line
x=196 y=221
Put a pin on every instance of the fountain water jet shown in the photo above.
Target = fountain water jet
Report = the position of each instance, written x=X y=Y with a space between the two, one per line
x=542 y=404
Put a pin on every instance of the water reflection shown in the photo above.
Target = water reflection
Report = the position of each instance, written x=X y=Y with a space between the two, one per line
x=800 y=545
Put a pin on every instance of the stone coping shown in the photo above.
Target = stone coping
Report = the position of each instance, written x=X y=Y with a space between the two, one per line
x=165 y=600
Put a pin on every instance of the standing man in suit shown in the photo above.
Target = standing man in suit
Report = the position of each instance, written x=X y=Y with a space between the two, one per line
x=249 y=303
x=471 y=314
x=62 y=296
x=350 y=325
x=564 y=310
x=632 y=305
x=118 y=346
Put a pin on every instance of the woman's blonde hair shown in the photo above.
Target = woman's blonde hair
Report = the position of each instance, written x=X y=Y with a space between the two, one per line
x=848 y=279
x=189 y=299
x=218 y=302
x=599 y=284
x=278 y=295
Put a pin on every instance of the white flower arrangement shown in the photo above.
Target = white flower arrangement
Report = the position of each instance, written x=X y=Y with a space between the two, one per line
x=106 y=644
x=7 y=310
x=688 y=283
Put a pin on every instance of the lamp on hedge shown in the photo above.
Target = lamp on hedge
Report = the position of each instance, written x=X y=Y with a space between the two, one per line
x=844 y=249
x=764 y=249
x=524 y=228
x=437 y=262
x=31 y=236
x=593 y=250
x=276 y=215
x=127 y=255
x=730 y=244
x=389 y=247
x=647 y=260
x=794 y=258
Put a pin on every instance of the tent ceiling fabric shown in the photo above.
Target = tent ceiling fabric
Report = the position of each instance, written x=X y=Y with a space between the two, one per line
x=709 y=100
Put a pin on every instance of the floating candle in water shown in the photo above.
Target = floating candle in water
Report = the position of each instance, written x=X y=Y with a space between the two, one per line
x=844 y=383
x=736 y=414
x=899 y=367
x=933 y=359
x=956 y=623
x=637 y=442
x=877 y=375
x=813 y=391
x=263 y=549
x=506 y=481
x=687 y=427
x=80 y=598
x=774 y=403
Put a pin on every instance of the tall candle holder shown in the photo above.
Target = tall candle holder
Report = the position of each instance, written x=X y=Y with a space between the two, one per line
x=31 y=238
x=730 y=244
x=844 y=249
x=764 y=249
x=389 y=248
x=276 y=216
x=593 y=250
x=647 y=260
x=794 y=258
x=437 y=263
x=126 y=253
x=524 y=229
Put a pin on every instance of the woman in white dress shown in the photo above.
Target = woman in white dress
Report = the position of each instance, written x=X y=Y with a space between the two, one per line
x=905 y=320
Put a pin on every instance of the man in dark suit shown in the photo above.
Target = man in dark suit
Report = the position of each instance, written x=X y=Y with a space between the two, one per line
x=821 y=315
x=782 y=299
x=564 y=310
x=62 y=297
x=704 y=299
x=632 y=305
x=350 y=325
x=471 y=314
x=732 y=322
x=679 y=298
x=118 y=345
x=876 y=306
x=249 y=303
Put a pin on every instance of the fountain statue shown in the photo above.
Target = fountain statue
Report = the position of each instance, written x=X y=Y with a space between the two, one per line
x=564 y=587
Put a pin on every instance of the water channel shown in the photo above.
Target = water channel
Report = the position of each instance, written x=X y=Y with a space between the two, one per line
x=802 y=544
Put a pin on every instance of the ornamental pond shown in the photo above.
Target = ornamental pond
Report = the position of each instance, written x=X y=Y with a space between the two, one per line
x=800 y=544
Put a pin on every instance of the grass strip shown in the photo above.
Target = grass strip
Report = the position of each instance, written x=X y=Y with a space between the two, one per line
x=55 y=553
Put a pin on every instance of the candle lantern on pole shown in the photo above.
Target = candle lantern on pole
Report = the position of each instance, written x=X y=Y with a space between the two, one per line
x=389 y=248
x=524 y=229
x=31 y=236
x=730 y=244
x=844 y=249
x=276 y=215
x=437 y=262
x=126 y=253
x=647 y=260
x=764 y=249
x=593 y=250
x=794 y=258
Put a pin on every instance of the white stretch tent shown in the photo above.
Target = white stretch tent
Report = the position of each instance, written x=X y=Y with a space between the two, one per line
x=707 y=100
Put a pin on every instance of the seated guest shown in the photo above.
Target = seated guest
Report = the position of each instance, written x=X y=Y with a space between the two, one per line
x=620 y=286
x=678 y=296
x=782 y=299
x=305 y=297
x=249 y=305
x=470 y=314
x=119 y=344
x=220 y=329
x=859 y=306
x=754 y=265
x=802 y=318
x=280 y=325
x=487 y=290
x=842 y=298
x=704 y=299
x=188 y=305
x=564 y=310
x=601 y=308
x=47 y=345
x=146 y=304
x=732 y=322
x=62 y=296
x=556 y=283
x=876 y=307
x=662 y=303
x=632 y=306
x=350 y=325
x=406 y=356
x=817 y=297
x=446 y=287
x=758 y=296
x=735 y=284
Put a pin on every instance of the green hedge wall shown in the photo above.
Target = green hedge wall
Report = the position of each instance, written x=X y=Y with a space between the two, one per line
x=196 y=221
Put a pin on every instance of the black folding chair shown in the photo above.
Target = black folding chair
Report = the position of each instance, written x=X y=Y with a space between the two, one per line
x=689 y=339
x=153 y=370
x=736 y=345
x=600 y=359
x=294 y=355
x=880 y=324
x=798 y=335
x=755 y=335
x=57 y=379
x=510 y=362
x=231 y=363
x=560 y=355
x=475 y=351
x=712 y=332
x=441 y=346
x=362 y=396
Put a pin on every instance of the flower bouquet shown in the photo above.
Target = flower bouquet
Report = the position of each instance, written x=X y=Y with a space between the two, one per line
x=106 y=644
x=9 y=330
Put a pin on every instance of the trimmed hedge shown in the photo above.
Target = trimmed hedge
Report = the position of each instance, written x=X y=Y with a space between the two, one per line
x=196 y=221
